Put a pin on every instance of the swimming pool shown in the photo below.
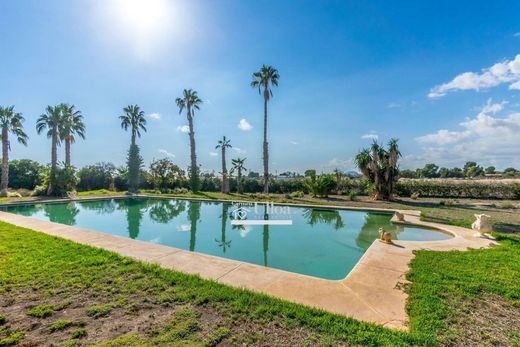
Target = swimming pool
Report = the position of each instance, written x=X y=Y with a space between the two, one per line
x=320 y=242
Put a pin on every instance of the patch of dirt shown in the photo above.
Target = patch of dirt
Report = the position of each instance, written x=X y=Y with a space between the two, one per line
x=487 y=321
x=139 y=317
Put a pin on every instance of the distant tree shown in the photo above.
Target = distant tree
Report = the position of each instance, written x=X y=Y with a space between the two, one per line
x=51 y=120
x=471 y=169
x=428 y=171
x=238 y=167
x=407 y=173
x=11 y=123
x=223 y=144
x=310 y=173
x=253 y=174
x=72 y=125
x=444 y=172
x=25 y=173
x=490 y=170
x=321 y=186
x=163 y=173
x=264 y=80
x=380 y=167
x=510 y=172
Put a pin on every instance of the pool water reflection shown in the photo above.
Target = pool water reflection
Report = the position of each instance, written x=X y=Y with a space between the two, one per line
x=323 y=243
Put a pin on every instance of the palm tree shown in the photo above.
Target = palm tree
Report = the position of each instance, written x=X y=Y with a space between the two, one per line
x=380 y=167
x=191 y=102
x=238 y=166
x=72 y=125
x=11 y=122
x=263 y=79
x=223 y=144
x=133 y=119
x=52 y=121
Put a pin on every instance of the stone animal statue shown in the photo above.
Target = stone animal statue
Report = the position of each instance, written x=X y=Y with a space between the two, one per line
x=399 y=216
x=482 y=224
x=385 y=236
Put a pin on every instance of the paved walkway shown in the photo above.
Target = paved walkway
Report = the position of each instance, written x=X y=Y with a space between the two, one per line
x=371 y=292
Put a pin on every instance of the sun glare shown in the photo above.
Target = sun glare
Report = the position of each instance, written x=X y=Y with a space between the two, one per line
x=145 y=25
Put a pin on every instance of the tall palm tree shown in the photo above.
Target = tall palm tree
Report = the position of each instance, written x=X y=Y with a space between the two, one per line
x=11 y=122
x=191 y=102
x=52 y=121
x=133 y=119
x=72 y=125
x=263 y=79
x=223 y=144
x=238 y=166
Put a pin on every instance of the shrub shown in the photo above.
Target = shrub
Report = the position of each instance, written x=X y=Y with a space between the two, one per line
x=3 y=319
x=97 y=176
x=181 y=191
x=25 y=174
x=79 y=333
x=352 y=195
x=59 y=325
x=99 y=311
x=297 y=194
x=40 y=311
x=65 y=180
x=321 y=186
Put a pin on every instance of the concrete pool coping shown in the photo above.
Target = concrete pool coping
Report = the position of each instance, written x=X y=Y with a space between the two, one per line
x=371 y=292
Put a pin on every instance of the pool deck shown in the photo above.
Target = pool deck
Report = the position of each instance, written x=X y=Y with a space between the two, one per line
x=371 y=292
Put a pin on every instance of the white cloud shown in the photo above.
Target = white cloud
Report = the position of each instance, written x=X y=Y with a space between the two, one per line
x=184 y=227
x=485 y=138
x=370 y=136
x=155 y=116
x=239 y=150
x=244 y=125
x=213 y=154
x=516 y=34
x=294 y=143
x=507 y=71
x=183 y=129
x=394 y=105
x=166 y=153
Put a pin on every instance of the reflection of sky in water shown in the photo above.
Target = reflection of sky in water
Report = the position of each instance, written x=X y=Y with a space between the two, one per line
x=321 y=242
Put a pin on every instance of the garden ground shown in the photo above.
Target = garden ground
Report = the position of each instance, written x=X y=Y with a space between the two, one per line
x=52 y=290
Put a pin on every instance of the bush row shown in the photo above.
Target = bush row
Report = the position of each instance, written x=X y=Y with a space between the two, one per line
x=458 y=189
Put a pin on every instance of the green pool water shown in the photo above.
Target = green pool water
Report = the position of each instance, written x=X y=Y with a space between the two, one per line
x=323 y=243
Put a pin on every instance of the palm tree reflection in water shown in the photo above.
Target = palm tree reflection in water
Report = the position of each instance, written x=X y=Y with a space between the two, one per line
x=317 y=216
x=223 y=243
x=193 y=217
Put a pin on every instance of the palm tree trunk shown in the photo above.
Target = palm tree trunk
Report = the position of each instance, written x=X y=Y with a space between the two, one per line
x=67 y=151
x=5 y=162
x=54 y=161
x=239 y=181
x=225 y=182
x=266 y=151
x=193 y=168
x=133 y=137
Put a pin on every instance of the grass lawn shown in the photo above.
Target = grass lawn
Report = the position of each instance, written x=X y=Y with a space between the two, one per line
x=56 y=290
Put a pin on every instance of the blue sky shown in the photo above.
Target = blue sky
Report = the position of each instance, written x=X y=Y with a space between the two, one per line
x=350 y=71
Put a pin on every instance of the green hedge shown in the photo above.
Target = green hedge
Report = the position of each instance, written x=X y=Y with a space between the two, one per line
x=459 y=189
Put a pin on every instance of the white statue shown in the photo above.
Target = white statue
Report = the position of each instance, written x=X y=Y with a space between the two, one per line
x=482 y=224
